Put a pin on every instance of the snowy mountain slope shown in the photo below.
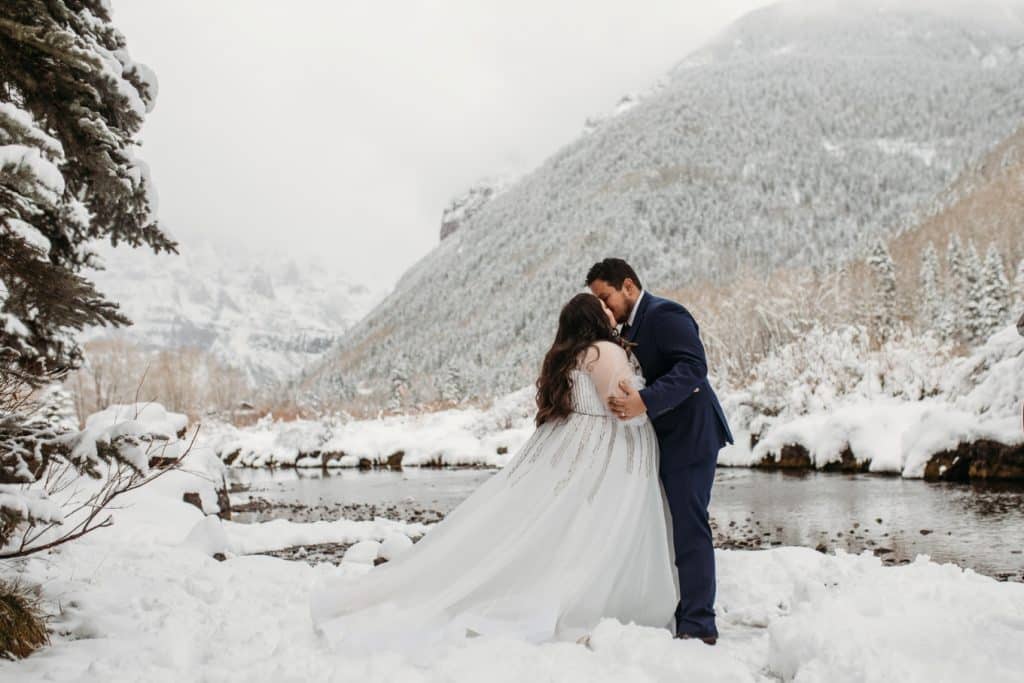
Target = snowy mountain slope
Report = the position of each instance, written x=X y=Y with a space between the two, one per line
x=256 y=312
x=792 y=140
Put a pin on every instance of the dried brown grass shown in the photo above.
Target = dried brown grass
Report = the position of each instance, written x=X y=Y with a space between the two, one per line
x=22 y=621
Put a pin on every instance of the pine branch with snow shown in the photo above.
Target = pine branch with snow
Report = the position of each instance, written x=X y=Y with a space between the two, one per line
x=57 y=483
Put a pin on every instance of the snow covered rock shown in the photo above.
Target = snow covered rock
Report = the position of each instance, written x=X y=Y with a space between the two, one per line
x=393 y=546
x=208 y=537
x=364 y=552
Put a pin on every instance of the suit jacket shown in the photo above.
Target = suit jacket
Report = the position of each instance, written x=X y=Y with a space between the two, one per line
x=680 y=401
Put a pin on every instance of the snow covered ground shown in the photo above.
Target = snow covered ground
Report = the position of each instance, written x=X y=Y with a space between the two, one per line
x=143 y=600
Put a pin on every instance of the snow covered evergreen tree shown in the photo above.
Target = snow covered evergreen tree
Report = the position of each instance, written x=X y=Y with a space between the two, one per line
x=955 y=298
x=884 y=273
x=931 y=301
x=994 y=302
x=452 y=389
x=71 y=104
x=972 y=324
x=399 y=383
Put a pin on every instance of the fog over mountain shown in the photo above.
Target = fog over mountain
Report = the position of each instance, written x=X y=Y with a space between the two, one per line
x=265 y=315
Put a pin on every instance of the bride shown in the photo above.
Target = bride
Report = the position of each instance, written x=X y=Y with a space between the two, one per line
x=571 y=531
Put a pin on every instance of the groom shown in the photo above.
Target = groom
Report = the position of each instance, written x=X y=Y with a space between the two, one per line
x=690 y=424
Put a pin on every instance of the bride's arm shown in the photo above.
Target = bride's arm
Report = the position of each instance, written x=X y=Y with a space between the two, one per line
x=607 y=365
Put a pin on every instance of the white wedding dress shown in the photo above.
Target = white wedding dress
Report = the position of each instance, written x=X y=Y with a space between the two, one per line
x=572 y=530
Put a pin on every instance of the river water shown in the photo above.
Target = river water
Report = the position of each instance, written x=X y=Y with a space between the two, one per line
x=981 y=527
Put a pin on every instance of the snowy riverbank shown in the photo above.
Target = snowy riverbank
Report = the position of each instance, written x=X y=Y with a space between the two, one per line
x=144 y=599
x=891 y=411
x=455 y=437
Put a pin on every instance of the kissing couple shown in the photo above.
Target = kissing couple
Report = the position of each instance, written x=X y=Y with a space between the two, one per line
x=602 y=513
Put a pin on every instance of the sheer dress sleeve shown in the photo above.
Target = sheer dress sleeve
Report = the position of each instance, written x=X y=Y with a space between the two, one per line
x=607 y=364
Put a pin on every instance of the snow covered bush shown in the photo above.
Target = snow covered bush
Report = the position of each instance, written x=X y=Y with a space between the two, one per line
x=57 y=484
x=825 y=366
x=990 y=381
x=909 y=407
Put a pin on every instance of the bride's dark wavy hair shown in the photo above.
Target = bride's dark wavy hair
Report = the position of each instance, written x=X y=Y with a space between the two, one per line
x=581 y=323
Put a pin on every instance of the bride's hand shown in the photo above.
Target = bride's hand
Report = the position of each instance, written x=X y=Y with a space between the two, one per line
x=628 y=406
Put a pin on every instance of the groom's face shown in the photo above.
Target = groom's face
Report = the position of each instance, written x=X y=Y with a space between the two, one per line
x=620 y=301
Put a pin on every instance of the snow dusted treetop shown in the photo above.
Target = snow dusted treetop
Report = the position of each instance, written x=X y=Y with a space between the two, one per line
x=71 y=105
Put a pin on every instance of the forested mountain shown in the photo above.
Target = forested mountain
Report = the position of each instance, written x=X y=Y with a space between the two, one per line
x=795 y=140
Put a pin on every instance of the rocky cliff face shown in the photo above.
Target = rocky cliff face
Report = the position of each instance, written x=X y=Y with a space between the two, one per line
x=464 y=207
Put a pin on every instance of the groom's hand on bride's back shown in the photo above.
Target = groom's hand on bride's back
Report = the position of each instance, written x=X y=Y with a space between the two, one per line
x=628 y=406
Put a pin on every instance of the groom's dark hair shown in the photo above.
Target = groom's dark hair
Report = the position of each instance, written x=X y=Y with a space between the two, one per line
x=614 y=271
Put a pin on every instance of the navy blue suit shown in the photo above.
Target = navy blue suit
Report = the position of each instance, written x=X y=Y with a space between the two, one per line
x=691 y=429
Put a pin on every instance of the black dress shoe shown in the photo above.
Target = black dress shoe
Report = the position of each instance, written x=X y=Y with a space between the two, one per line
x=710 y=640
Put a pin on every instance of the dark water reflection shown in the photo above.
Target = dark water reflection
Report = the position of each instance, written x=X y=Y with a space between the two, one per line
x=976 y=526
x=981 y=527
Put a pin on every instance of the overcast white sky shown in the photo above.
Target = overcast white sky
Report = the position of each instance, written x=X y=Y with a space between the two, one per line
x=340 y=129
